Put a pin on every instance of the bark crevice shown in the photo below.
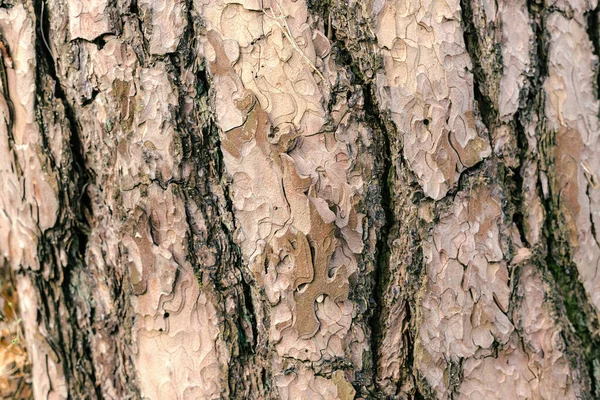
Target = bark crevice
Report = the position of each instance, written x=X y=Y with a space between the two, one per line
x=383 y=199
x=593 y=30
x=68 y=286
x=230 y=279
x=572 y=301
x=383 y=212
x=485 y=105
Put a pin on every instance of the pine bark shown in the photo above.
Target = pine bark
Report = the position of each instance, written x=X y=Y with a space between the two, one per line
x=277 y=199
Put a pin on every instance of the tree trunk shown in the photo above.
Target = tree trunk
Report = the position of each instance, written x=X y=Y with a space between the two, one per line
x=281 y=199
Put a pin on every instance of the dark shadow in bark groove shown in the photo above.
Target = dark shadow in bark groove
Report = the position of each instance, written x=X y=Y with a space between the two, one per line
x=593 y=30
x=572 y=302
x=381 y=198
x=248 y=368
x=67 y=290
x=515 y=178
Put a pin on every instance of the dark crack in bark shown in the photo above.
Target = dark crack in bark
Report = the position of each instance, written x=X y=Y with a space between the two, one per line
x=570 y=299
x=593 y=30
x=66 y=293
x=392 y=197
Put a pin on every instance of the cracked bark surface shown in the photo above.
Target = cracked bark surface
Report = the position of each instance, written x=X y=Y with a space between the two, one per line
x=283 y=199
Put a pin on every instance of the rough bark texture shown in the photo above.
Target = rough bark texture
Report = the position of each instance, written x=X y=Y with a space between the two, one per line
x=255 y=199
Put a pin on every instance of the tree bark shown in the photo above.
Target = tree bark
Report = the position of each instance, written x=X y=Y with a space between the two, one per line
x=256 y=199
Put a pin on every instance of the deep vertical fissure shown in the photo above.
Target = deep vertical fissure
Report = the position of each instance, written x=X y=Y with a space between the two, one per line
x=383 y=251
x=382 y=214
x=485 y=104
x=249 y=354
x=394 y=196
x=71 y=230
x=593 y=30
x=573 y=303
